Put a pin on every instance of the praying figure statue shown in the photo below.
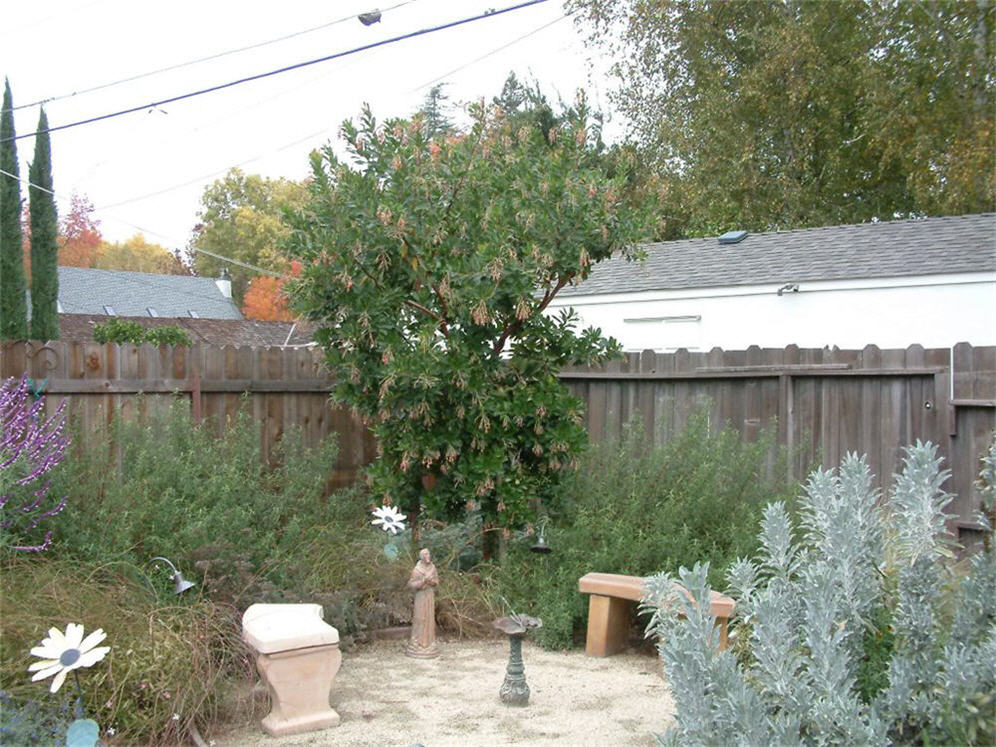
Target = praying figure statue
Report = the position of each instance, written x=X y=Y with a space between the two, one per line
x=424 y=580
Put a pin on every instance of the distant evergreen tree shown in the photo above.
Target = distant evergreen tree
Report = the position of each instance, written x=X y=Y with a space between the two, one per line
x=44 y=240
x=13 y=306
x=435 y=118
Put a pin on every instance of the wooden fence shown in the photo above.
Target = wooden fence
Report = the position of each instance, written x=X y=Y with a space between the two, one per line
x=823 y=403
x=279 y=387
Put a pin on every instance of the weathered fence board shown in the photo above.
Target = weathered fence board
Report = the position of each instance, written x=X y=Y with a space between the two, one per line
x=823 y=402
x=279 y=388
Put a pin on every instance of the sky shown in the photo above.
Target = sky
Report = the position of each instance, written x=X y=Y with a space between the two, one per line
x=145 y=172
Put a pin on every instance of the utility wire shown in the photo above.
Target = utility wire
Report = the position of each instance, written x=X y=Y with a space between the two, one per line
x=237 y=262
x=217 y=172
x=502 y=48
x=311 y=135
x=337 y=55
x=199 y=60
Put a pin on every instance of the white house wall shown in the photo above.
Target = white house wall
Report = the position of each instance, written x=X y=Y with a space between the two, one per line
x=933 y=311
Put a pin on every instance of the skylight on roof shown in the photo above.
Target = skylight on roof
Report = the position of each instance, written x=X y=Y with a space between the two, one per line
x=193 y=314
x=732 y=237
x=151 y=311
x=109 y=310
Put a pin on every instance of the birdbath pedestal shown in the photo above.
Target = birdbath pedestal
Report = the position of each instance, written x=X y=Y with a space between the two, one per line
x=514 y=690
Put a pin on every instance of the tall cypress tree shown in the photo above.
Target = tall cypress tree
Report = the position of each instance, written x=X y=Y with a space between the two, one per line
x=13 y=305
x=44 y=240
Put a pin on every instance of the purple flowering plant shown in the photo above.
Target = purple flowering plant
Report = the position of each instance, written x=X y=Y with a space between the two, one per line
x=31 y=445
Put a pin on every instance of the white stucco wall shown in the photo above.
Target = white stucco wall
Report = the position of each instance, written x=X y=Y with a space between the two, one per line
x=933 y=311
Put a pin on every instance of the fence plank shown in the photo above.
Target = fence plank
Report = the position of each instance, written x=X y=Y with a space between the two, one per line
x=826 y=401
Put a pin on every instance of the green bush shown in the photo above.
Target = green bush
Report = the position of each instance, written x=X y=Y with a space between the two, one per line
x=119 y=331
x=168 y=486
x=245 y=531
x=173 y=662
x=168 y=334
x=634 y=509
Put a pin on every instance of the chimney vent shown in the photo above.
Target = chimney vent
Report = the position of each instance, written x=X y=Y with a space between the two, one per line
x=224 y=283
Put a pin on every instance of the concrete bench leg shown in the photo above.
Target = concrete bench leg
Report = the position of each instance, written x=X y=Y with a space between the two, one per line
x=721 y=623
x=608 y=625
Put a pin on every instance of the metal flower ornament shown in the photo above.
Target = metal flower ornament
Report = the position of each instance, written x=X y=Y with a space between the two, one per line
x=62 y=653
x=389 y=518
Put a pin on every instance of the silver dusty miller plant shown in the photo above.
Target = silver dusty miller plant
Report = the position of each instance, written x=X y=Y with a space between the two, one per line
x=859 y=588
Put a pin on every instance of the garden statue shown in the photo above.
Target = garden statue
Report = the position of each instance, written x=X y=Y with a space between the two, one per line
x=424 y=580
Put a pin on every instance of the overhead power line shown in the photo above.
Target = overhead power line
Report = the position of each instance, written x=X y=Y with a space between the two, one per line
x=199 y=60
x=314 y=134
x=485 y=56
x=239 y=263
x=297 y=66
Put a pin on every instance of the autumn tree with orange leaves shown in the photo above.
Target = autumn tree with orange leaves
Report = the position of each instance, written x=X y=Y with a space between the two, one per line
x=79 y=234
x=265 y=299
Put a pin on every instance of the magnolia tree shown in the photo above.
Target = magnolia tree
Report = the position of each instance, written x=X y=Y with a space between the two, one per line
x=428 y=264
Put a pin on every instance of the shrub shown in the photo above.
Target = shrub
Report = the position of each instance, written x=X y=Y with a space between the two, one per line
x=816 y=609
x=246 y=531
x=168 y=334
x=632 y=509
x=173 y=662
x=30 y=447
x=169 y=486
x=119 y=331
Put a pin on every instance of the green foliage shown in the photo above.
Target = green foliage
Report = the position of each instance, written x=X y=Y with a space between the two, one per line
x=167 y=656
x=428 y=268
x=120 y=331
x=181 y=491
x=986 y=484
x=858 y=631
x=44 y=239
x=631 y=509
x=13 y=299
x=168 y=334
x=241 y=218
x=775 y=114
x=138 y=254
x=435 y=118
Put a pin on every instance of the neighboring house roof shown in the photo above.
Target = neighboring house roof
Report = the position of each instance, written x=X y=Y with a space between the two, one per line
x=926 y=246
x=86 y=291
x=236 y=332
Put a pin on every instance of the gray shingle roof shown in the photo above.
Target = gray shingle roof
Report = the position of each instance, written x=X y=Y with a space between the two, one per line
x=85 y=291
x=927 y=246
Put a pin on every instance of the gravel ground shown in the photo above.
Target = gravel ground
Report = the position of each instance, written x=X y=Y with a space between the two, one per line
x=385 y=698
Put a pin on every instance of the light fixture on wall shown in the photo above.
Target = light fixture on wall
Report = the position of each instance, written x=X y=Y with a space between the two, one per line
x=790 y=287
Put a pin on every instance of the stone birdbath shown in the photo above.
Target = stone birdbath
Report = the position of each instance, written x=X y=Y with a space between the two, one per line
x=514 y=690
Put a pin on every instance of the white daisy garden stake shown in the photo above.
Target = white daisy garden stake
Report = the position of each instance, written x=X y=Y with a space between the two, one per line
x=62 y=653
x=390 y=520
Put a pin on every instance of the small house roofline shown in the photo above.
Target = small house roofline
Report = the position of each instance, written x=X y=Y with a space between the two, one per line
x=902 y=248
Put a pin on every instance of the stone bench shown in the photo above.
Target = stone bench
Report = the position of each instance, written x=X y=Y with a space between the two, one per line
x=610 y=605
